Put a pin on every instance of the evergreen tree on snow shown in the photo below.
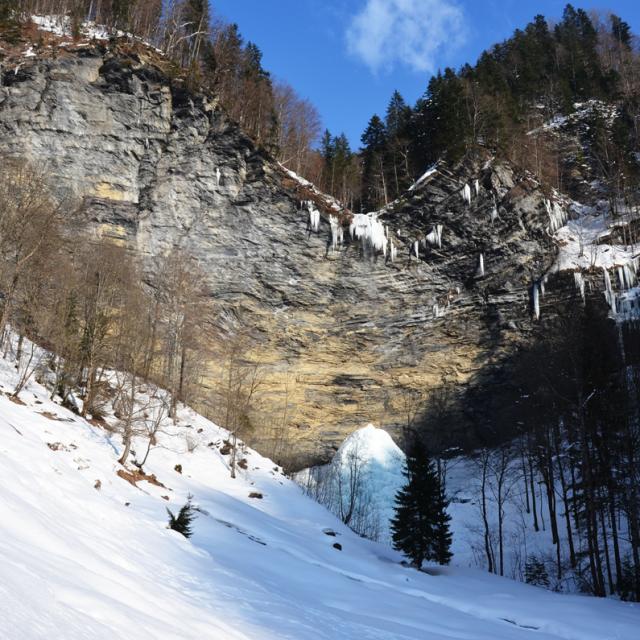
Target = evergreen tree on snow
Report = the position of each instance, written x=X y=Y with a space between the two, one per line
x=182 y=522
x=420 y=528
x=442 y=542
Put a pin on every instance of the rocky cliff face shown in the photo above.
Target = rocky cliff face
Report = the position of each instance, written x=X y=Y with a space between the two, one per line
x=347 y=332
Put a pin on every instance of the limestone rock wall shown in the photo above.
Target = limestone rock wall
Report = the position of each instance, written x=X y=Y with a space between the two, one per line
x=345 y=331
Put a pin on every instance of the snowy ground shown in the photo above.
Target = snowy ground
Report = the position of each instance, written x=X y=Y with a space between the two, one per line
x=84 y=562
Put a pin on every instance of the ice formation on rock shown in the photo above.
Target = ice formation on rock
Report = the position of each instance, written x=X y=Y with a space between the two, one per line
x=314 y=216
x=466 y=193
x=628 y=305
x=369 y=230
x=535 y=297
x=337 y=232
x=608 y=291
x=625 y=305
x=557 y=215
x=393 y=251
x=579 y=282
x=434 y=237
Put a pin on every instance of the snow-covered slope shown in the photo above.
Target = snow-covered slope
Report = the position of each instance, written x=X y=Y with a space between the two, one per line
x=85 y=554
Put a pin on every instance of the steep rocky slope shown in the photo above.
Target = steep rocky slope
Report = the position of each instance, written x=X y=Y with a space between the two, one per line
x=158 y=167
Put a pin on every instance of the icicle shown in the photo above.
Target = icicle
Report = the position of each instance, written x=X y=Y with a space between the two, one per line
x=416 y=248
x=557 y=215
x=336 y=232
x=627 y=275
x=314 y=216
x=494 y=214
x=477 y=187
x=367 y=228
x=621 y=278
x=218 y=176
x=535 y=297
x=466 y=194
x=435 y=236
x=480 y=272
x=393 y=251
x=608 y=291
x=629 y=305
x=579 y=282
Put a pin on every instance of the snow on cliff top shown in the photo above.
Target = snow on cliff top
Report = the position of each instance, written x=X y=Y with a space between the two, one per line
x=61 y=26
x=583 y=243
x=87 y=555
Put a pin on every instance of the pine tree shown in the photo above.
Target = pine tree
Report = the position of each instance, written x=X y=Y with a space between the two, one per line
x=535 y=572
x=443 y=537
x=397 y=121
x=182 y=522
x=374 y=181
x=621 y=31
x=420 y=528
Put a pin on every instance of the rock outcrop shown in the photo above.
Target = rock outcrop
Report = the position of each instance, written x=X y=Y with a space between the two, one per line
x=350 y=334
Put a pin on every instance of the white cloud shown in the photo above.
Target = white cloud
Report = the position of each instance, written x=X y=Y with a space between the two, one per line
x=407 y=32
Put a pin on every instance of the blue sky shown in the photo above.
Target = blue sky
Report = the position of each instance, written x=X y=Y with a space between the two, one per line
x=347 y=56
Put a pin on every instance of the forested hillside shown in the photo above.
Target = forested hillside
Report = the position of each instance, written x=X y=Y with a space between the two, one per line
x=543 y=70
